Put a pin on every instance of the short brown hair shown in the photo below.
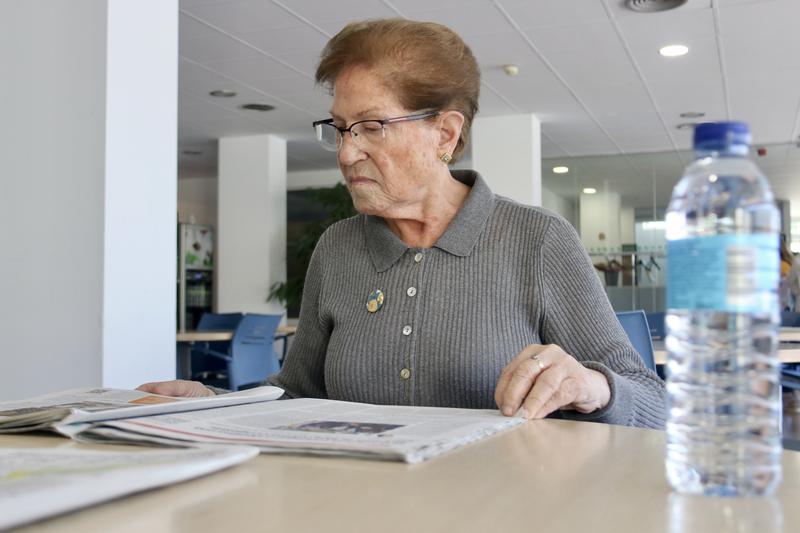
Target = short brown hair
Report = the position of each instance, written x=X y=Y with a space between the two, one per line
x=429 y=65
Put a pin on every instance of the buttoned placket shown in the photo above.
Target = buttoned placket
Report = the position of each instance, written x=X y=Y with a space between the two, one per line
x=415 y=263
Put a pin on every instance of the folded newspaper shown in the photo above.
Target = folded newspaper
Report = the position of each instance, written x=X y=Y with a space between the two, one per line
x=93 y=404
x=39 y=483
x=310 y=426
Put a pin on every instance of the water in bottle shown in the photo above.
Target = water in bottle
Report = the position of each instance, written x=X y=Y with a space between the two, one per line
x=723 y=389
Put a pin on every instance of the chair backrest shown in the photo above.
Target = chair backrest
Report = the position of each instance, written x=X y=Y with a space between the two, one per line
x=214 y=322
x=252 y=351
x=790 y=319
x=656 y=323
x=635 y=325
x=219 y=321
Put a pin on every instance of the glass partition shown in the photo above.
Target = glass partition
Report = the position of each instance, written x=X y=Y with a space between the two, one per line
x=617 y=204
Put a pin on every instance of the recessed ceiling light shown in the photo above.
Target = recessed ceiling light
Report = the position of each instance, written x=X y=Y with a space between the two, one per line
x=692 y=114
x=223 y=93
x=673 y=50
x=560 y=170
x=192 y=152
x=651 y=6
x=258 y=107
x=589 y=190
x=686 y=125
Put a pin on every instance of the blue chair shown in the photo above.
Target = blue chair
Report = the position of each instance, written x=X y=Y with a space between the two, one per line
x=249 y=359
x=635 y=325
x=200 y=350
x=790 y=319
x=219 y=321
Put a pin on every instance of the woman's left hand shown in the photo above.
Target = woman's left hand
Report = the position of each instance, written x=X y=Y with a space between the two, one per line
x=544 y=378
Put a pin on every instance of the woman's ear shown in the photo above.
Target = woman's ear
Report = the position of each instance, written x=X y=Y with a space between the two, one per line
x=450 y=124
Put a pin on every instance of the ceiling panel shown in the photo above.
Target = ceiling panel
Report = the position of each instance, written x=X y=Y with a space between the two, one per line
x=316 y=11
x=189 y=3
x=764 y=84
x=195 y=78
x=598 y=64
x=287 y=40
x=543 y=13
x=216 y=47
x=491 y=104
x=190 y=28
x=514 y=50
x=472 y=18
x=256 y=71
x=579 y=136
x=239 y=17
x=304 y=63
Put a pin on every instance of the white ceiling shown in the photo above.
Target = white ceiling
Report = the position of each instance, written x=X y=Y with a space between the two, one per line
x=589 y=69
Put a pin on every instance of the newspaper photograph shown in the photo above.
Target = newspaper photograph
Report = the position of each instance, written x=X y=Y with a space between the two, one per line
x=314 y=426
x=93 y=404
x=39 y=483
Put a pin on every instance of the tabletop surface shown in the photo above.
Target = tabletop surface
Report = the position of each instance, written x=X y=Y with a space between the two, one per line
x=222 y=335
x=548 y=476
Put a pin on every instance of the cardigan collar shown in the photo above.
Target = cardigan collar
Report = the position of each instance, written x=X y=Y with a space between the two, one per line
x=460 y=237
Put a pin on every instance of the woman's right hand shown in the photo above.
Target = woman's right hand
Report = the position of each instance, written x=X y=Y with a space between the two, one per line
x=178 y=387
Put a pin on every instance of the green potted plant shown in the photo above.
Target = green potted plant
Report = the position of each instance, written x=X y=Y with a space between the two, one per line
x=336 y=204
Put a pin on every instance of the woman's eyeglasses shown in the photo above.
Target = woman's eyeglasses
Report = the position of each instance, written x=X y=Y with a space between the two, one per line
x=364 y=133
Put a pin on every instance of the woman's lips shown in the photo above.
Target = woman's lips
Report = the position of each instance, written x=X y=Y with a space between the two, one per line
x=359 y=180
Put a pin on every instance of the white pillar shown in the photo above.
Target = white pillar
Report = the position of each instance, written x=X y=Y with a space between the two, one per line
x=507 y=152
x=88 y=194
x=251 y=218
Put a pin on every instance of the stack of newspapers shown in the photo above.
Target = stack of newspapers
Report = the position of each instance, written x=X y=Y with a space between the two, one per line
x=212 y=433
x=307 y=426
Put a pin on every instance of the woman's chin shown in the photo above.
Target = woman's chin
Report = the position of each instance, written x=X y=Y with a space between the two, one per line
x=367 y=206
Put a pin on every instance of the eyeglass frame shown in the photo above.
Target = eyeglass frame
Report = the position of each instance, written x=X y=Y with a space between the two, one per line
x=382 y=121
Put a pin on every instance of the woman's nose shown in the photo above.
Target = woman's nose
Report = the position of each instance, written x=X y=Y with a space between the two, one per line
x=349 y=152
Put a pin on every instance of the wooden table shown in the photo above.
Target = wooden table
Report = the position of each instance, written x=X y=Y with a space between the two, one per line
x=549 y=476
x=186 y=338
x=223 y=335
x=788 y=350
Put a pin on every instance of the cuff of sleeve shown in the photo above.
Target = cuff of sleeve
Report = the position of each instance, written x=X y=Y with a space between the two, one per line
x=618 y=409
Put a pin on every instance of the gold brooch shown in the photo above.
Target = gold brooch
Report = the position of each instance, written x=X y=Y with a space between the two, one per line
x=375 y=300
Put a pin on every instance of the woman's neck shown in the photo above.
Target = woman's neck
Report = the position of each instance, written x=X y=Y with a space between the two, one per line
x=421 y=226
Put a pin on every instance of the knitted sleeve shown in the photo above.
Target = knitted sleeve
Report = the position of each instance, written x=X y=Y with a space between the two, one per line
x=579 y=318
x=303 y=371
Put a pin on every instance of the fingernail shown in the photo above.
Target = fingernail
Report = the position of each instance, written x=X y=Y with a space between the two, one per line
x=523 y=413
x=508 y=410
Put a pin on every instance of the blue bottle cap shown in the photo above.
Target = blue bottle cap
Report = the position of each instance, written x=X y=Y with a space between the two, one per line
x=722 y=137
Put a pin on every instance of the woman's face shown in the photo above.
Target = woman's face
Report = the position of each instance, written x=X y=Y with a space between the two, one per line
x=389 y=177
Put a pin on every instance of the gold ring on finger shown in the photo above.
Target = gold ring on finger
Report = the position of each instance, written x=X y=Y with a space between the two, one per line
x=538 y=361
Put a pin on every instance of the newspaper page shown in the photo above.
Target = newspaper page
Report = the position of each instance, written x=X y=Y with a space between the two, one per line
x=40 y=483
x=93 y=404
x=314 y=426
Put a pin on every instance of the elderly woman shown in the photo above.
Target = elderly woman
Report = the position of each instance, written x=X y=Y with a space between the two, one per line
x=440 y=293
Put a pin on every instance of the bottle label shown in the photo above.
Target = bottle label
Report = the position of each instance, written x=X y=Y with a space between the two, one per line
x=729 y=273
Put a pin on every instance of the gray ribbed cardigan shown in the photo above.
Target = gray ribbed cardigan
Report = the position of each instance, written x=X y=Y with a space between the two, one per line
x=502 y=276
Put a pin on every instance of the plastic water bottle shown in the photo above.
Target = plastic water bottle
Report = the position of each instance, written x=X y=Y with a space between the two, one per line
x=723 y=388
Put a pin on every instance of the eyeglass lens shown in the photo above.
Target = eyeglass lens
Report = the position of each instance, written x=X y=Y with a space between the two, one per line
x=364 y=134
